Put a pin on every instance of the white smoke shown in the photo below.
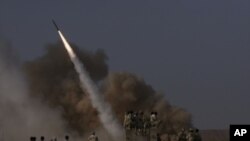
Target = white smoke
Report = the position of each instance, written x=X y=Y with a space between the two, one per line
x=20 y=115
x=106 y=115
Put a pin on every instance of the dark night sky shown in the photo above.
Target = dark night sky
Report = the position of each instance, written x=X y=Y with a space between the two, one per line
x=195 y=51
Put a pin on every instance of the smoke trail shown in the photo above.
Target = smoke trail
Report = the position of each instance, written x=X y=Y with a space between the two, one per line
x=104 y=109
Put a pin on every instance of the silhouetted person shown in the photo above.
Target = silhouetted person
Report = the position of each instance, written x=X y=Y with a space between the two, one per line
x=158 y=137
x=42 y=138
x=66 y=138
x=93 y=137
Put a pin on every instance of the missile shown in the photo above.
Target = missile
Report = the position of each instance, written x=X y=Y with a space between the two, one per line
x=65 y=42
x=55 y=25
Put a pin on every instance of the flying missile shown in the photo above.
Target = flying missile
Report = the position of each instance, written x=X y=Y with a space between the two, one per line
x=55 y=25
x=65 y=42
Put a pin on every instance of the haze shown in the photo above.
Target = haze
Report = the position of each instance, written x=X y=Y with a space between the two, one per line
x=196 y=51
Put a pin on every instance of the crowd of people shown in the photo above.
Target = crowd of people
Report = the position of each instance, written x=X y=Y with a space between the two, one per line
x=92 y=137
x=139 y=122
x=42 y=138
x=142 y=124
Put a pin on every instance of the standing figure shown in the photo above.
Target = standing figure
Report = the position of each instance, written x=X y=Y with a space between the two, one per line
x=158 y=137
x=42 y=138
x=146 y=125
x=154 y=122
x=93 y=137
x=66 y=138
x=197 y=136
x=127 y=121
x=182 y=135
x=139 y=130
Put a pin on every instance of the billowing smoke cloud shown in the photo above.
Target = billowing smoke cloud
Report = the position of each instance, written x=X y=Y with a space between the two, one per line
x=20 y=115
x=126 y=91
x=53 y=79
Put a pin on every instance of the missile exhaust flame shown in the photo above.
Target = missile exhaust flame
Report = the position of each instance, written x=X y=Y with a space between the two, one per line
x=106 y=115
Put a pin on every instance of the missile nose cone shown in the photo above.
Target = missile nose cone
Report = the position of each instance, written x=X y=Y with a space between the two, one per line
x=55 y=25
